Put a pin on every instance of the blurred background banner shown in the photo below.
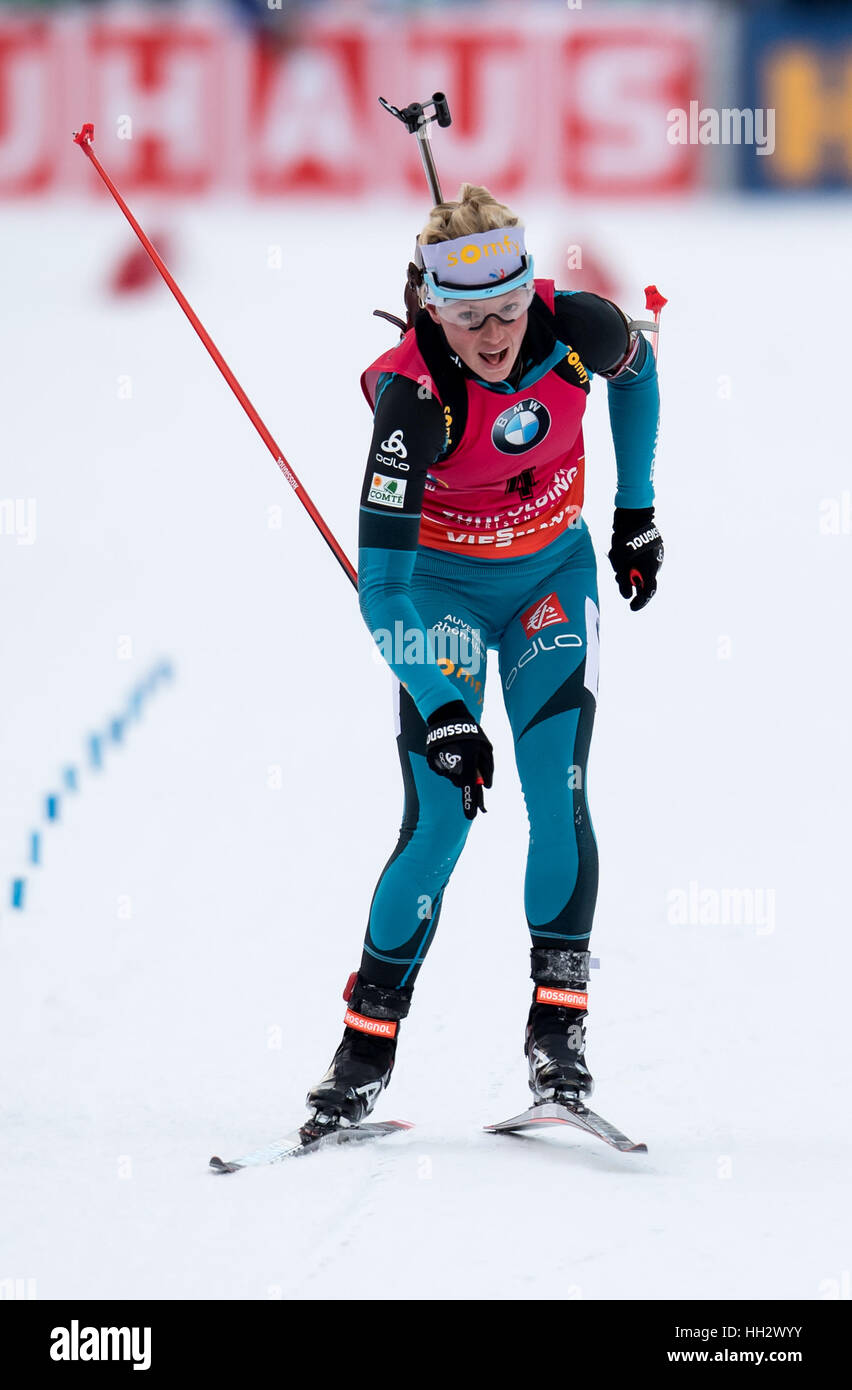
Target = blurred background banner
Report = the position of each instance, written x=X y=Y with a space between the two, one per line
x=278 y=97
x=799 y=62
x=188 y=100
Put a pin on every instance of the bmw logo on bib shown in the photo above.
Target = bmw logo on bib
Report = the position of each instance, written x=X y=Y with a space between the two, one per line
x=521 y=427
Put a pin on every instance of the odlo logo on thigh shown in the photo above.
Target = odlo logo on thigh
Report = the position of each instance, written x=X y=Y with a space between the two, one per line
x=539 y=644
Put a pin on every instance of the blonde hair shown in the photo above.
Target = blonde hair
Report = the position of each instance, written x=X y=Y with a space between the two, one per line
x=476 y=210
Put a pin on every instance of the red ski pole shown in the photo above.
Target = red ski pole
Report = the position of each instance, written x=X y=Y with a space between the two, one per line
x=84 y=139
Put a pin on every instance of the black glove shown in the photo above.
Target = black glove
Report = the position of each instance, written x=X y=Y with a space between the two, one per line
x=457 y=748
x=636 y=554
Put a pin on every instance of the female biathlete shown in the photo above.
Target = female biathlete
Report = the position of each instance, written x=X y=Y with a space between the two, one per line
x=471 y=538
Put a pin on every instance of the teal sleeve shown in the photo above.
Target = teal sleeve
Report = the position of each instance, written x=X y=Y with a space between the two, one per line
x=408 y=434
x=634 y=416
x=384 y=578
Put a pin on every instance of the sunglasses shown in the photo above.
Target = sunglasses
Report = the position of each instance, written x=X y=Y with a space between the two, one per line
x=472 y=313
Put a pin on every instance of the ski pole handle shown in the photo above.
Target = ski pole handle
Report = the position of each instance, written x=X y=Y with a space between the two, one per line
x=416 y=121
x=655 y=301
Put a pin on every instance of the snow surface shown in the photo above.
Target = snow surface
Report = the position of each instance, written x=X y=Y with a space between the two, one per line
x=134 y=1047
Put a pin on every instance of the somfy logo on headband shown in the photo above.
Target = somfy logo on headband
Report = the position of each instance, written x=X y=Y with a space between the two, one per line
x=471 y=252
x=472 y=260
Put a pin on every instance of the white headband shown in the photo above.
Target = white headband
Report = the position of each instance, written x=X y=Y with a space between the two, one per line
x=479 y=261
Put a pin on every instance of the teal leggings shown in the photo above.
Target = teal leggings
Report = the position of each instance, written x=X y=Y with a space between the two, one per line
x=540 y=613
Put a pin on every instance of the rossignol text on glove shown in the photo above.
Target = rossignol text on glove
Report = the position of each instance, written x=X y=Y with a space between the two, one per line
x=457 y=748
x=636 y=554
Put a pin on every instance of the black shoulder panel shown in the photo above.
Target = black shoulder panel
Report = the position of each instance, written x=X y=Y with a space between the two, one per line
x=544 y=332
x=450 y=383
x=597 y=327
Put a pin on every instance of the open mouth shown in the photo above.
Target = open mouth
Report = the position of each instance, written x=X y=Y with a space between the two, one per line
x=495 y=359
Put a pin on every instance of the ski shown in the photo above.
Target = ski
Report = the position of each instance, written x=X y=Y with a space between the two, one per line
x=294 y=1145
x=576 y=1115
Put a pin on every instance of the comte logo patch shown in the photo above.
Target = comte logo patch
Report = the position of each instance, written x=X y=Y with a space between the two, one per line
x=521 y=427
x=548 y=610
x=387 y=492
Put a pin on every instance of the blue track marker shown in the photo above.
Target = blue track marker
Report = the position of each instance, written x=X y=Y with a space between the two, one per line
x=116 y=729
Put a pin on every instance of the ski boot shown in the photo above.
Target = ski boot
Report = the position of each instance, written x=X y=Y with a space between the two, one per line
x=555 y=1036
x=362 y=1065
